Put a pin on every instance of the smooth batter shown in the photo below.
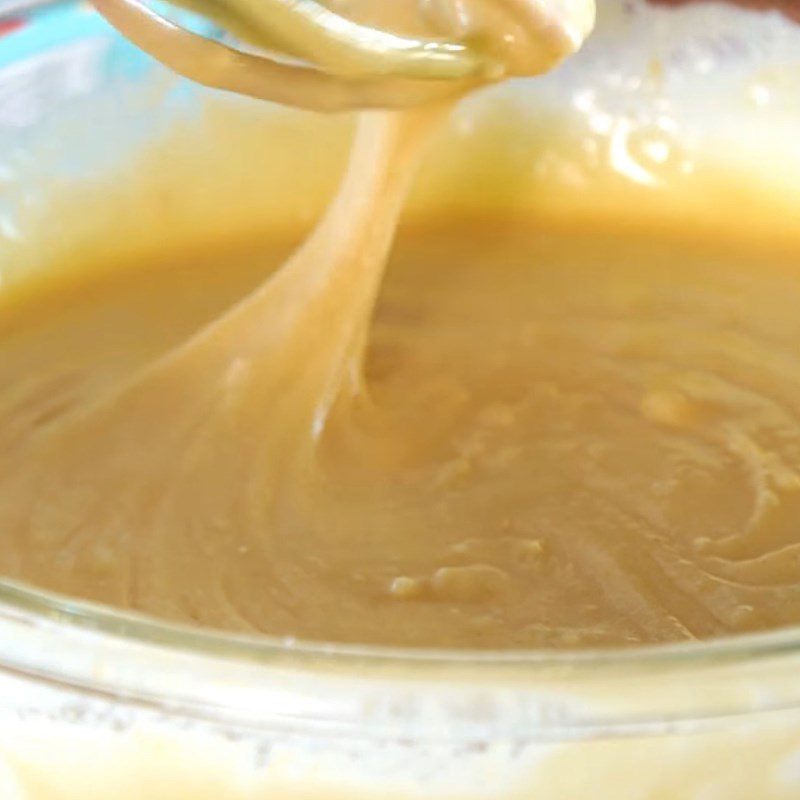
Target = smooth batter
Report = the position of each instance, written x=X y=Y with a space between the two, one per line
x=562 y=437
x=556 y=439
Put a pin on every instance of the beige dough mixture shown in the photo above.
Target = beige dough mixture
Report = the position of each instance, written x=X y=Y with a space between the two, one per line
x=544 y=437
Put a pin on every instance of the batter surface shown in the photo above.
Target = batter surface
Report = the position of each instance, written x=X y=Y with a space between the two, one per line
x=562 y=437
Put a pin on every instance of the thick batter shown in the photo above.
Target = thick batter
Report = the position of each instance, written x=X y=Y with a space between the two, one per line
x=547 y=438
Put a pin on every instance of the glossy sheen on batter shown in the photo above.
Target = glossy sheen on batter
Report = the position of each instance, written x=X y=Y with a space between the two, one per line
x=564 y=437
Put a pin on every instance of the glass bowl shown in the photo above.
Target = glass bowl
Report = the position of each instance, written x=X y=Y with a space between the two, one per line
x=96 y=703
